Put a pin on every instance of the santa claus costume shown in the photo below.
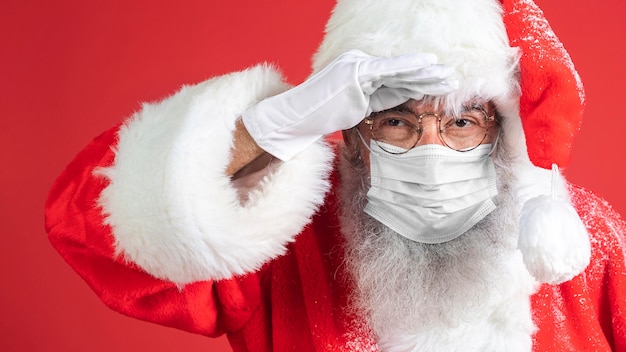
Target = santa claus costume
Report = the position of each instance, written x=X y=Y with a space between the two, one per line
x=147 y=216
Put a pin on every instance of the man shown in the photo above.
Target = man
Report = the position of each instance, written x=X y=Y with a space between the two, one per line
x=433 y=227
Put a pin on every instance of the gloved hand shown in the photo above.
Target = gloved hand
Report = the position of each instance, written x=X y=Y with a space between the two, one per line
x=341 y=95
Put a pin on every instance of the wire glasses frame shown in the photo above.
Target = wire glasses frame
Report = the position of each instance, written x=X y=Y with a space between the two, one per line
x=403 y=129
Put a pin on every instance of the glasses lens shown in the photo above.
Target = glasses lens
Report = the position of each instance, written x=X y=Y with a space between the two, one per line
x=466 y=131
x=395 y=131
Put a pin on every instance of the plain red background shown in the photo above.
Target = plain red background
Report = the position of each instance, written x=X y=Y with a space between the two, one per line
x=70 y=69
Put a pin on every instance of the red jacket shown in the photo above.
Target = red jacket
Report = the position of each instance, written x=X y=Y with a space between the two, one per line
x=296 y=301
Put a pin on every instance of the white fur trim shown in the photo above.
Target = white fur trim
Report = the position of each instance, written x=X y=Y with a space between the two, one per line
x=553 y=240
x=172 y=209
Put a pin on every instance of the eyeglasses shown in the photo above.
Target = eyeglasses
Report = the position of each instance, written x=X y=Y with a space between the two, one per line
x=402 y=128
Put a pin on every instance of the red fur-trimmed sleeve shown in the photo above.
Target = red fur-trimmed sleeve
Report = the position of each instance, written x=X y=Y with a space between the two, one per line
x=76 y=230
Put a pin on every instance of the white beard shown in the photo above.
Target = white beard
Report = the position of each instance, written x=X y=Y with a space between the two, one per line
x=469 y=294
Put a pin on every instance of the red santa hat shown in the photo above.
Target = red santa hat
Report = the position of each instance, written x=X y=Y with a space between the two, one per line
x=504 y=51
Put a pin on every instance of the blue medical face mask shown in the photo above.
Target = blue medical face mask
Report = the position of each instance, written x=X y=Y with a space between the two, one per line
x=431 y=193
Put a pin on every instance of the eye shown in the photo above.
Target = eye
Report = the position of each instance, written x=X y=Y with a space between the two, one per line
x=392 y=122
x=462 y=122
x=470 y=117
x=459 y=123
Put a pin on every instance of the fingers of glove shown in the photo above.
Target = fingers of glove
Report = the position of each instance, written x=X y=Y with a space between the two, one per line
x=376 y=66
x=386 y=98
x=413 y=79
x=434 y=73
x=372 y=70
x=379 y=67
x=437 y=88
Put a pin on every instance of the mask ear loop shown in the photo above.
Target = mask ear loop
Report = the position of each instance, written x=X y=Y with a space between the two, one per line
x=494 y=145
x=363 y=141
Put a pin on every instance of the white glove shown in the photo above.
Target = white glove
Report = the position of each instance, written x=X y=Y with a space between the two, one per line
x=341 y=95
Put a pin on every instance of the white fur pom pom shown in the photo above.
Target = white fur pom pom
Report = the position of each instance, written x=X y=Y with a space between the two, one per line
x=553 y=240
